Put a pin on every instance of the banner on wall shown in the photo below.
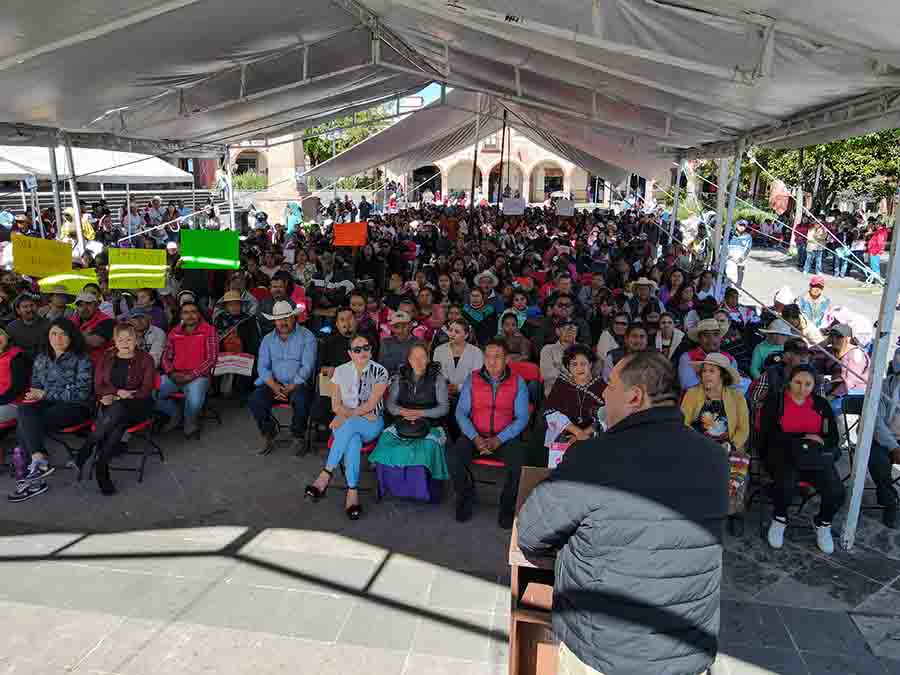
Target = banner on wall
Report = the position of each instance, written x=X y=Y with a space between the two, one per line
x=351 y=234
x=210 y=250
x=137 y=268
x=37 y=257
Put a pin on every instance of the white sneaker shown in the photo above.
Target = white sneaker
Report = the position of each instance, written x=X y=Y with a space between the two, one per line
x=823 y=538
x=776 y=533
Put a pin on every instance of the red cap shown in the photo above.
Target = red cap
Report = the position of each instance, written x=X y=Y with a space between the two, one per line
x=817 y=281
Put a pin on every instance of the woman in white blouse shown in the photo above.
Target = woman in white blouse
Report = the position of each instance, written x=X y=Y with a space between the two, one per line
x=458 y=358
x=357 y=402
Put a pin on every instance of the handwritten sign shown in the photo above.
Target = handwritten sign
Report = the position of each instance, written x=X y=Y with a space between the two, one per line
x=234 y=364
x=137 y=268
x=350 y=234
x=38 y=257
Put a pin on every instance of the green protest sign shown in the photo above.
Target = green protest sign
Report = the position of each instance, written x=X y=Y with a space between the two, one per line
x=210 y=250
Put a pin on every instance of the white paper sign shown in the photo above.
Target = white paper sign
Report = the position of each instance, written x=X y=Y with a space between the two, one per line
x=565 y=207
x=234 y=364
x=290 y=255
x=513 y=207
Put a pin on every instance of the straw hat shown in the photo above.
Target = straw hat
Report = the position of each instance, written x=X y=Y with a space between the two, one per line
x=59 y=289
x=487 y=274
x=706 y=326
x=643 y=281
x=281 y=310
x=778 y=327
x=231 y=296
x=720 y=360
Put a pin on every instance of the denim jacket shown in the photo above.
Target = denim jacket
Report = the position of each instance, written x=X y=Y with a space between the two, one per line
x=69 y=378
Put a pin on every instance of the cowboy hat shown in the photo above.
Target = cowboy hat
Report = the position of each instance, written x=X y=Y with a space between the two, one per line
x=706 y=326
x=785 y=295
x=231 y=296
x=643 y=281
x=281 y=310
x=85 y=296
x=487 y=274
x=779 y=327
x=720 y=360
x=59 y=289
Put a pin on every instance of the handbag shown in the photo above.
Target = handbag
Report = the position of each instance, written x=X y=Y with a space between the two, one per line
x=810 y=455
x=414 y=430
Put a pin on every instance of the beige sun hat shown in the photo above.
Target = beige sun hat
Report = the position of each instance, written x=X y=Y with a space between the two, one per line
x=720 y=360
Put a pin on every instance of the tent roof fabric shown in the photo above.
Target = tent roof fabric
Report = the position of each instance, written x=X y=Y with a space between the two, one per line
x=653 y=78
x=91 y=166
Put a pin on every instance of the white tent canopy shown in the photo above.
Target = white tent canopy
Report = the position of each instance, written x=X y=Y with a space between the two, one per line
x=91 y=166
x=441 y=129
x=661 y=77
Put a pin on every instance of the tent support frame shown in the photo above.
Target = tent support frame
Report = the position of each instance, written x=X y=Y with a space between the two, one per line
x=73 y=189
x=729 y=222
x=675 y=201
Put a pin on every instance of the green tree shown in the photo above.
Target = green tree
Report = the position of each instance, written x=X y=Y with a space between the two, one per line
x=318 y=149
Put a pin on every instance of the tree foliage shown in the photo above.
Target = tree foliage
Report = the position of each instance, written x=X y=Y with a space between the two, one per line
x=319 y=149
x=863 y=168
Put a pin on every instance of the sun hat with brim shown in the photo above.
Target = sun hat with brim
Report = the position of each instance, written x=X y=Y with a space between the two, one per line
x=644 y=281
x=486 y=275
x=85 y=297
x=720 y=360
x=61 y=290
x=706 y=326
x=231 y=296
x=779 y=327
x=281 y=310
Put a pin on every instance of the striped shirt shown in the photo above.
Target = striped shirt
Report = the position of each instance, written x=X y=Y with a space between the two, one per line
x=355 y=387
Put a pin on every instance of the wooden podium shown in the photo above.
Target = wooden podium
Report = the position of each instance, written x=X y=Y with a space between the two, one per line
x=532 y=648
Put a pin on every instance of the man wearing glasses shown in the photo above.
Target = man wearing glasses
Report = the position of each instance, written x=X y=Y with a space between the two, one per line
x=560 y=309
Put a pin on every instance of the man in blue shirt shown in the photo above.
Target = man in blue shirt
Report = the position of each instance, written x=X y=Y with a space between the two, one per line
x=491 y=413
x=287 y=358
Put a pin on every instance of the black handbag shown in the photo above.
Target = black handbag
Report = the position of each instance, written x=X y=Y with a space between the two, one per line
x=810 y=455
x=416 y=429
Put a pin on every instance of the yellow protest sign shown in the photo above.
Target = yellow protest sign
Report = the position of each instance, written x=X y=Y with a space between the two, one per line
x=38 y=257
x=73 y=281
x=137 y=268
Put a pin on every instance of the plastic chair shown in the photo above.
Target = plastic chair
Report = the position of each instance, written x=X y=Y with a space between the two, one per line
x=530 y=372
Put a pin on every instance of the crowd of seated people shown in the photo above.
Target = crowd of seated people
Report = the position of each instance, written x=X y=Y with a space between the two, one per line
x=414 y=347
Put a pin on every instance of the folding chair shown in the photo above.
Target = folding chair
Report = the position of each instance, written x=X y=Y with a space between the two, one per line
x=59 y=436
x=759 y=486
x=207 y=412
x=280 y=427
x=530 y=372
x=143 y=431
x=5 y=428
x=851 y=404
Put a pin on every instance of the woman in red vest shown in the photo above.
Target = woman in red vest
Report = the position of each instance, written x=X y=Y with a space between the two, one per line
x=15 y=373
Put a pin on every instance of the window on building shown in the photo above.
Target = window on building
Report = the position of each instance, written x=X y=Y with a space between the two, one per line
x=491 y=143
x=246 y=163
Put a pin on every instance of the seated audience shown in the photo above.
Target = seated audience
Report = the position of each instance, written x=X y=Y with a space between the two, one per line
x=28 y=331
x=15 y=374
x=96 y=327
x=395 y=349
x=552 y=354
x=150 y=338
x=776 y=334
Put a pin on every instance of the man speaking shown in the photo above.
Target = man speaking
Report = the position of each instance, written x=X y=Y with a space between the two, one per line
x=636 y=517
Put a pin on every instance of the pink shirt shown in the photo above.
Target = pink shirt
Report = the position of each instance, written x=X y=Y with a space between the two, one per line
x=858 y=361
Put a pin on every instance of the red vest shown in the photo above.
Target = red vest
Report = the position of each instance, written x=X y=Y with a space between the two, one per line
x=492 y=413
x=5 y=368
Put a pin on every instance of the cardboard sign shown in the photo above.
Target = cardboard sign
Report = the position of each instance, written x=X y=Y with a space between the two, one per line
x=565 y=207
x=137 y=268
x=234 y=364
x=73 y=281
x=351 y=234
x=210 y=250
x=38 y=257
x=513 y=207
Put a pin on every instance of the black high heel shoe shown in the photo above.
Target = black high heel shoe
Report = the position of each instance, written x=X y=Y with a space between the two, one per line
x=315 y=493
x=354 y=512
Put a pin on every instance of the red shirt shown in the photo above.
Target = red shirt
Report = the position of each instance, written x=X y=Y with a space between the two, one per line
x=800 y=419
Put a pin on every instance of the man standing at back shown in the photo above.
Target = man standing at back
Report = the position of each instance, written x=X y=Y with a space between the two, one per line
x=636 y=517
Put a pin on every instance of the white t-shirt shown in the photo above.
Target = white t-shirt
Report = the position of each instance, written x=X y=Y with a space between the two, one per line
x=356 y=387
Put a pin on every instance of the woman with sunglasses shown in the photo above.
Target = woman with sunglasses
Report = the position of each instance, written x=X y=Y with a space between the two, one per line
x=358 y=408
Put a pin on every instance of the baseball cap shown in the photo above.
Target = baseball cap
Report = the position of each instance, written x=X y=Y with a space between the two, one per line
x=84 y=296
x=841 y=330
x=817 y=281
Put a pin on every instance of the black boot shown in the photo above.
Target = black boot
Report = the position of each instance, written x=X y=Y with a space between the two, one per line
x=103 y=480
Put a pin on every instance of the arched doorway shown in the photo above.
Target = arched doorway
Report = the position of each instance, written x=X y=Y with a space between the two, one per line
x=546 y=177
x=459 y=178
x=419 y=178
x=512 y=177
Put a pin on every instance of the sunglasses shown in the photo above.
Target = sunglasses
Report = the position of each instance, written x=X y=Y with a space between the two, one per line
x=361 y=349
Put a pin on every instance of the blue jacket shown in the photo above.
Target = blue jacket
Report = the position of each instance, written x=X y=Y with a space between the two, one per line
x=69 y=378
x=288 y=361
x=739 y=247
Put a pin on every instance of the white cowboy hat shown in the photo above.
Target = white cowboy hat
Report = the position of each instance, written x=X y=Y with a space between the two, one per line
x=706 y=326
x=644 y=281
x=720 y=360
x=785 y=295
x=489 y=275
x=281 y=310
x=779 y=327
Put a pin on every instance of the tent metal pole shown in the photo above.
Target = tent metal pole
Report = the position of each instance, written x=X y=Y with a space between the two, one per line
x=675 y=202
x=230 y=186
x=475 y=164
x=879 y=361
x=24 y=198
x=54 y=182
x=502 y=150
x=720 y=204
x=102 y=192
x=732 y=199
x=36 y=210
x=73 y=189
x=384 y=202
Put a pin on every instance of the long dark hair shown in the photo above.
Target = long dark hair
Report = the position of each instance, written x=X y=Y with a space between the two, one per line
x=76 y=339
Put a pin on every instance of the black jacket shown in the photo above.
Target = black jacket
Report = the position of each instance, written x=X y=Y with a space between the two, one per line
x=774 y=444
x=636 y=515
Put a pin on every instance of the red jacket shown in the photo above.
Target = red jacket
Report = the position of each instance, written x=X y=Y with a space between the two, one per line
x=141 y=375
x=492 y=415
x=192 y=353
x=877 y=242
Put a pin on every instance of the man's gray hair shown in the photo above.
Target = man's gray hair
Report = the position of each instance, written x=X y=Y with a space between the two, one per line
x=654 y=373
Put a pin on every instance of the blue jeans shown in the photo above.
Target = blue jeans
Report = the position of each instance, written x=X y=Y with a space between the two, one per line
x=840 y=267
x=875 y=266
x=261 y=401
x=348 y=441
x=813 y=257
x=801 y=253
x=194 y=396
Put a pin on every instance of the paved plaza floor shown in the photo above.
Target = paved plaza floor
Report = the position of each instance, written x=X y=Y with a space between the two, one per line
x=216 y=564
